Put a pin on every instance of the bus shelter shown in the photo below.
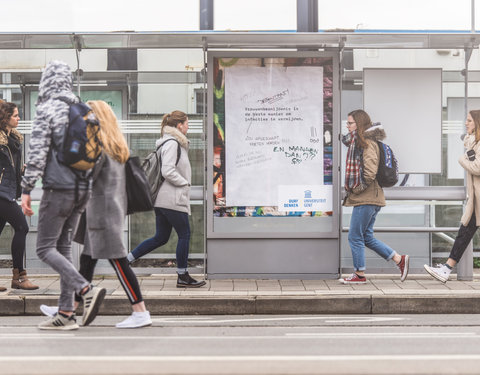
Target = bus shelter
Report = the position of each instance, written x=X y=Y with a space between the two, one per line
x=269 y=111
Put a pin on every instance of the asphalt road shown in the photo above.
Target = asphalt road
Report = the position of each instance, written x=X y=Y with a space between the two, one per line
x=253 y=344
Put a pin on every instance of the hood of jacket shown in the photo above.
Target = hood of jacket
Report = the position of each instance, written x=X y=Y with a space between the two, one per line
x=175 y=133
x=56 y=82
x=375 y=133
x=14 y=133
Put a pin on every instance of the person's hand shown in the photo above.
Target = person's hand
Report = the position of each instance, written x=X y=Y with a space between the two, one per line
x=27 y=205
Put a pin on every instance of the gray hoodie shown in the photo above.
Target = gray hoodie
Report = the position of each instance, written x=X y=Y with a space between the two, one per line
x=48 y=129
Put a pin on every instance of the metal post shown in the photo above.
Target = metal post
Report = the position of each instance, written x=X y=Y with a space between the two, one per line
x=205 y=159
x=78 y=49
x=465 y=265
x=472 y=29
x=307 y=16
x=206 y=14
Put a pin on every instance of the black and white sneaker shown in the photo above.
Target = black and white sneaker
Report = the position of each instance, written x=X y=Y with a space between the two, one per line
x=186 y=281
x=60 y=322
x=92 y=300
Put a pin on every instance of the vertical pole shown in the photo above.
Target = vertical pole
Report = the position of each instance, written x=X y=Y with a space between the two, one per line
x=78 y=49
x=472 y=29
x=206 y=23
x=206 y=14
x=307 y=16
x=205 y=179
x=465 y=265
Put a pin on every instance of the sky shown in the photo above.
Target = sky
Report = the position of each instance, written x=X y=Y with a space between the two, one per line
x=183 y=15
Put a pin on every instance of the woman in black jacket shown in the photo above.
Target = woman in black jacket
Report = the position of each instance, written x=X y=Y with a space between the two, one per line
x=10 y=177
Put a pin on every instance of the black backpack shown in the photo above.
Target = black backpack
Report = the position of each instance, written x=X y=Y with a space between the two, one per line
x=152 y=165
x=81 y=146
x=387 y=174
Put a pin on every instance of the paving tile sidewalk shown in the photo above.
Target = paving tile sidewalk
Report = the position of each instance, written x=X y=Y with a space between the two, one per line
x=381 y=294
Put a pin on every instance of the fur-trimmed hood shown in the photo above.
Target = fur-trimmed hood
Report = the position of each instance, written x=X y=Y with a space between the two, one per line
x=175 y=133
x=375 y=132
x=14 y=132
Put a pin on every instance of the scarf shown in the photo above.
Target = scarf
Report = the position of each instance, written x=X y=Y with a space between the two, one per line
x=354 y=165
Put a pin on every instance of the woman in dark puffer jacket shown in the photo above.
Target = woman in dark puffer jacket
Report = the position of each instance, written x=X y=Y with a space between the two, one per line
x=10 y=178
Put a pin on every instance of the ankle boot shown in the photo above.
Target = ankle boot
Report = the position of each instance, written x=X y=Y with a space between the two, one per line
x=20 y=280
x=2 y=289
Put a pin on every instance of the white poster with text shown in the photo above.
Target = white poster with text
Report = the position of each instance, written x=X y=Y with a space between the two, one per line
x=273 y=131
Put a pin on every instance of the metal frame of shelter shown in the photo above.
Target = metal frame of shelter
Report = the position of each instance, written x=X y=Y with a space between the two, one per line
x=334 y=42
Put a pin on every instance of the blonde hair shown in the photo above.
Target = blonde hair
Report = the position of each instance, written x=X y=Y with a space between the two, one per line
x=173 y=119
x=110 y=135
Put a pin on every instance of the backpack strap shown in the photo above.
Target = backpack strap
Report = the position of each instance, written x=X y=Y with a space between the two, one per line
x=179 y=150
x=159 y=155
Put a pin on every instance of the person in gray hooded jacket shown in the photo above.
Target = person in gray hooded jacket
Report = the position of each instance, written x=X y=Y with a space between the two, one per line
x=61 y=205
x=100 y=230
x=172 y=205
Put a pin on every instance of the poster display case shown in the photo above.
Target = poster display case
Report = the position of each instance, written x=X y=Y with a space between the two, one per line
x=272 y=136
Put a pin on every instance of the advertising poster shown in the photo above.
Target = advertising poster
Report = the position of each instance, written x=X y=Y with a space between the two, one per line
x=275 y=128
x=273 y=120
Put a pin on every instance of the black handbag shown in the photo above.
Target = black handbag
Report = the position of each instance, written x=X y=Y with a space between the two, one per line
x=138 y=190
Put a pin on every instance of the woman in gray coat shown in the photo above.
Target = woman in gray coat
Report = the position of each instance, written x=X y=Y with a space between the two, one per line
x=172 y=205
x=101 y=228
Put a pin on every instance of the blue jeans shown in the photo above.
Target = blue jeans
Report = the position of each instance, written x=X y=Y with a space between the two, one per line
x=165 y=219
x=361 y=234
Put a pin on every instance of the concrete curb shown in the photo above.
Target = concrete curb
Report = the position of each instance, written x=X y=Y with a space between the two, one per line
x=444 y=304
x=234 y=305
x=342 y=304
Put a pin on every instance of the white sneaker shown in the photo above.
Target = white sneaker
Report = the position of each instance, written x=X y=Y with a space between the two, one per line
x=136 y=320
x=48 y=310
x=441 y=272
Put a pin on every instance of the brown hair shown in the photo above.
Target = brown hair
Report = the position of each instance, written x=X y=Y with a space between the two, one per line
x=110 y=135
x=476 y=119
x=363 y=121
x=173 y=119
x=6 y=112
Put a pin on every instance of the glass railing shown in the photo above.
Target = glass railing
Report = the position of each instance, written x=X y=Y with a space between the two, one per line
x=141 y=136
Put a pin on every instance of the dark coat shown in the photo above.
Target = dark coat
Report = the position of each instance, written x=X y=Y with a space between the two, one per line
x=10 y=165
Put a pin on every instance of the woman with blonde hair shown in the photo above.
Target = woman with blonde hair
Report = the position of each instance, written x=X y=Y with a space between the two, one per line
x=470 y=161
x=101 y=227
x=365 y=195
x=172 y=205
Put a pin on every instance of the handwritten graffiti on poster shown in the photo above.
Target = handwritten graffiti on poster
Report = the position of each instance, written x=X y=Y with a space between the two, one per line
x=274 y=117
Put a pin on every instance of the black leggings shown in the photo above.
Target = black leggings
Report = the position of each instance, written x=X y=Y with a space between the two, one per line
x=124 y=272
x=464 y=236
x=10 y=212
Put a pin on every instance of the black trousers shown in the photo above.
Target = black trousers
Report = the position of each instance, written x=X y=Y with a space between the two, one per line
x=464 y=236
x=124 y=272
x=10 y=212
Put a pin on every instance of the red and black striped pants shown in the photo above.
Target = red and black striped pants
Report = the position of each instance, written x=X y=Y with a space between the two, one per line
x=124 y=272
